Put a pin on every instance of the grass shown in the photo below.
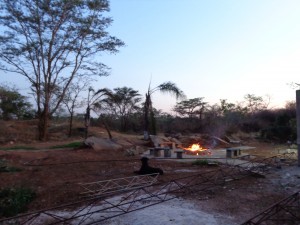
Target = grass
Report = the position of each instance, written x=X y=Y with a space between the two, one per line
x=204 y=162
x=200 y=162
x=18 y=148
x=69 y=145
x=5 y=168
x=76 y=144
x=9 y=169
x=15 y=200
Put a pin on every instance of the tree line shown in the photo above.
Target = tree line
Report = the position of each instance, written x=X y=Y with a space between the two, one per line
x=124 y=109
x=57 y=45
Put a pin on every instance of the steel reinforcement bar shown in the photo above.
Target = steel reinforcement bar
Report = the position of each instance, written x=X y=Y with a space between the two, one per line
x=104 y=207
x=286 y=211
x=101 y=208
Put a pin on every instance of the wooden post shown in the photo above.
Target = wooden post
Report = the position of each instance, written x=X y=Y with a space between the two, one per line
x=298 y=123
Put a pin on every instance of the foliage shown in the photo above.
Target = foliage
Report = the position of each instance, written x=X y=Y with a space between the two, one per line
x=15 y=200
x=52 y=42
x=18 y=147
x=72 y=98
x=166 y=87
x=282 y=127
x=122 y=102
x=278 y=133
x=200 y=162
x=255 y=103
x=221 y=119
x=190 y=107
x=14 y=105
x=76 y=144
x=203 y=162
x=5 y=168
x=95 y=102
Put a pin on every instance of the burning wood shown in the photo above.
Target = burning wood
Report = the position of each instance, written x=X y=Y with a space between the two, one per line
x=196 y=149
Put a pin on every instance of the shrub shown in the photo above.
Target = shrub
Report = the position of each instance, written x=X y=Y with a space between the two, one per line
x=200 y=162
x=76 y=144
x=205 y=162
x=278 y=133
x=5 y=168
x=15 y=200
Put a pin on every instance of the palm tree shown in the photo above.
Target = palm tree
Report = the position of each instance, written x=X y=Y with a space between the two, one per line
x=94 y=102
x=166 y=87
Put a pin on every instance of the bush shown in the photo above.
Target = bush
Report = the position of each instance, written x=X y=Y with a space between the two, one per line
x=76 y=144
x=5 y=168
x=15 y=200
x=200 y=162
x=278 y=133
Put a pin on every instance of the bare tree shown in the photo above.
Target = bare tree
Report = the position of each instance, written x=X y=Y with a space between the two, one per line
x=72 y=99
x=51 y=42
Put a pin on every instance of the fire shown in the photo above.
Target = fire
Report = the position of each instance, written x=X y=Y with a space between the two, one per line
x=195 y=147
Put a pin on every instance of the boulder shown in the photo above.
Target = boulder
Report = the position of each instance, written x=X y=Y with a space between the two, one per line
x=102 y=144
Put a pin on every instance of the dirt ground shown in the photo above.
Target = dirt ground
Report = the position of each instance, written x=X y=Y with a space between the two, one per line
x=55 y=175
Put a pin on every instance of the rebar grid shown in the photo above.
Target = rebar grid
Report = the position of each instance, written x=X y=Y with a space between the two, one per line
x=286 y=211
x=115 y=185
x=100 y=208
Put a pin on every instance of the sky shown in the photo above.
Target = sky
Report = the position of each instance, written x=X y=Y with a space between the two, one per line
x=215 y=49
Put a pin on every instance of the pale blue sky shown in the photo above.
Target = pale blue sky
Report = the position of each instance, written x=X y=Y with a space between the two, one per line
x=213 y=49
x=216 y=49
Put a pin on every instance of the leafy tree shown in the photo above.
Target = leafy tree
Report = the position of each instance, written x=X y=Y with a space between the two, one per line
x=51 y=42
x=255 y=103
x=166 y=87
x=123 y=102
x=94 y=102
x=226 y=106
x=13 y=104
x=283 y=127
x=190 y=107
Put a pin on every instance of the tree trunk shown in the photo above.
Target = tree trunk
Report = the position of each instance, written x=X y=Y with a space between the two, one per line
x=43 y=125
x=153 y=123
x=106 y=127
x=87 y=121
x=146 y=117
x=71 y=124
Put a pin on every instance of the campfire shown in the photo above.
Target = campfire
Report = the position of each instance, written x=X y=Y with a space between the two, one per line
x=196 y=149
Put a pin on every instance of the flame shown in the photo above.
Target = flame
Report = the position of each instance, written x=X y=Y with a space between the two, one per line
x=195 y=147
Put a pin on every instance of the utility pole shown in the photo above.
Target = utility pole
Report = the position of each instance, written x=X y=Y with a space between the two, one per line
x=298 y=123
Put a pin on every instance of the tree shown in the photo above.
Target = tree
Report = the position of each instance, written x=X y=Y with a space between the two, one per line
x=94 y=102
x=123 y=102
x=255 y=103
x=13 y=104
x=166 y=87
x=226 y=107
x=190 y=107
x=51 y=42
x=71 y=98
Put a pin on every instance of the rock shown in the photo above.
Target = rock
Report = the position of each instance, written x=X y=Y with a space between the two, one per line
x=102 y=144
